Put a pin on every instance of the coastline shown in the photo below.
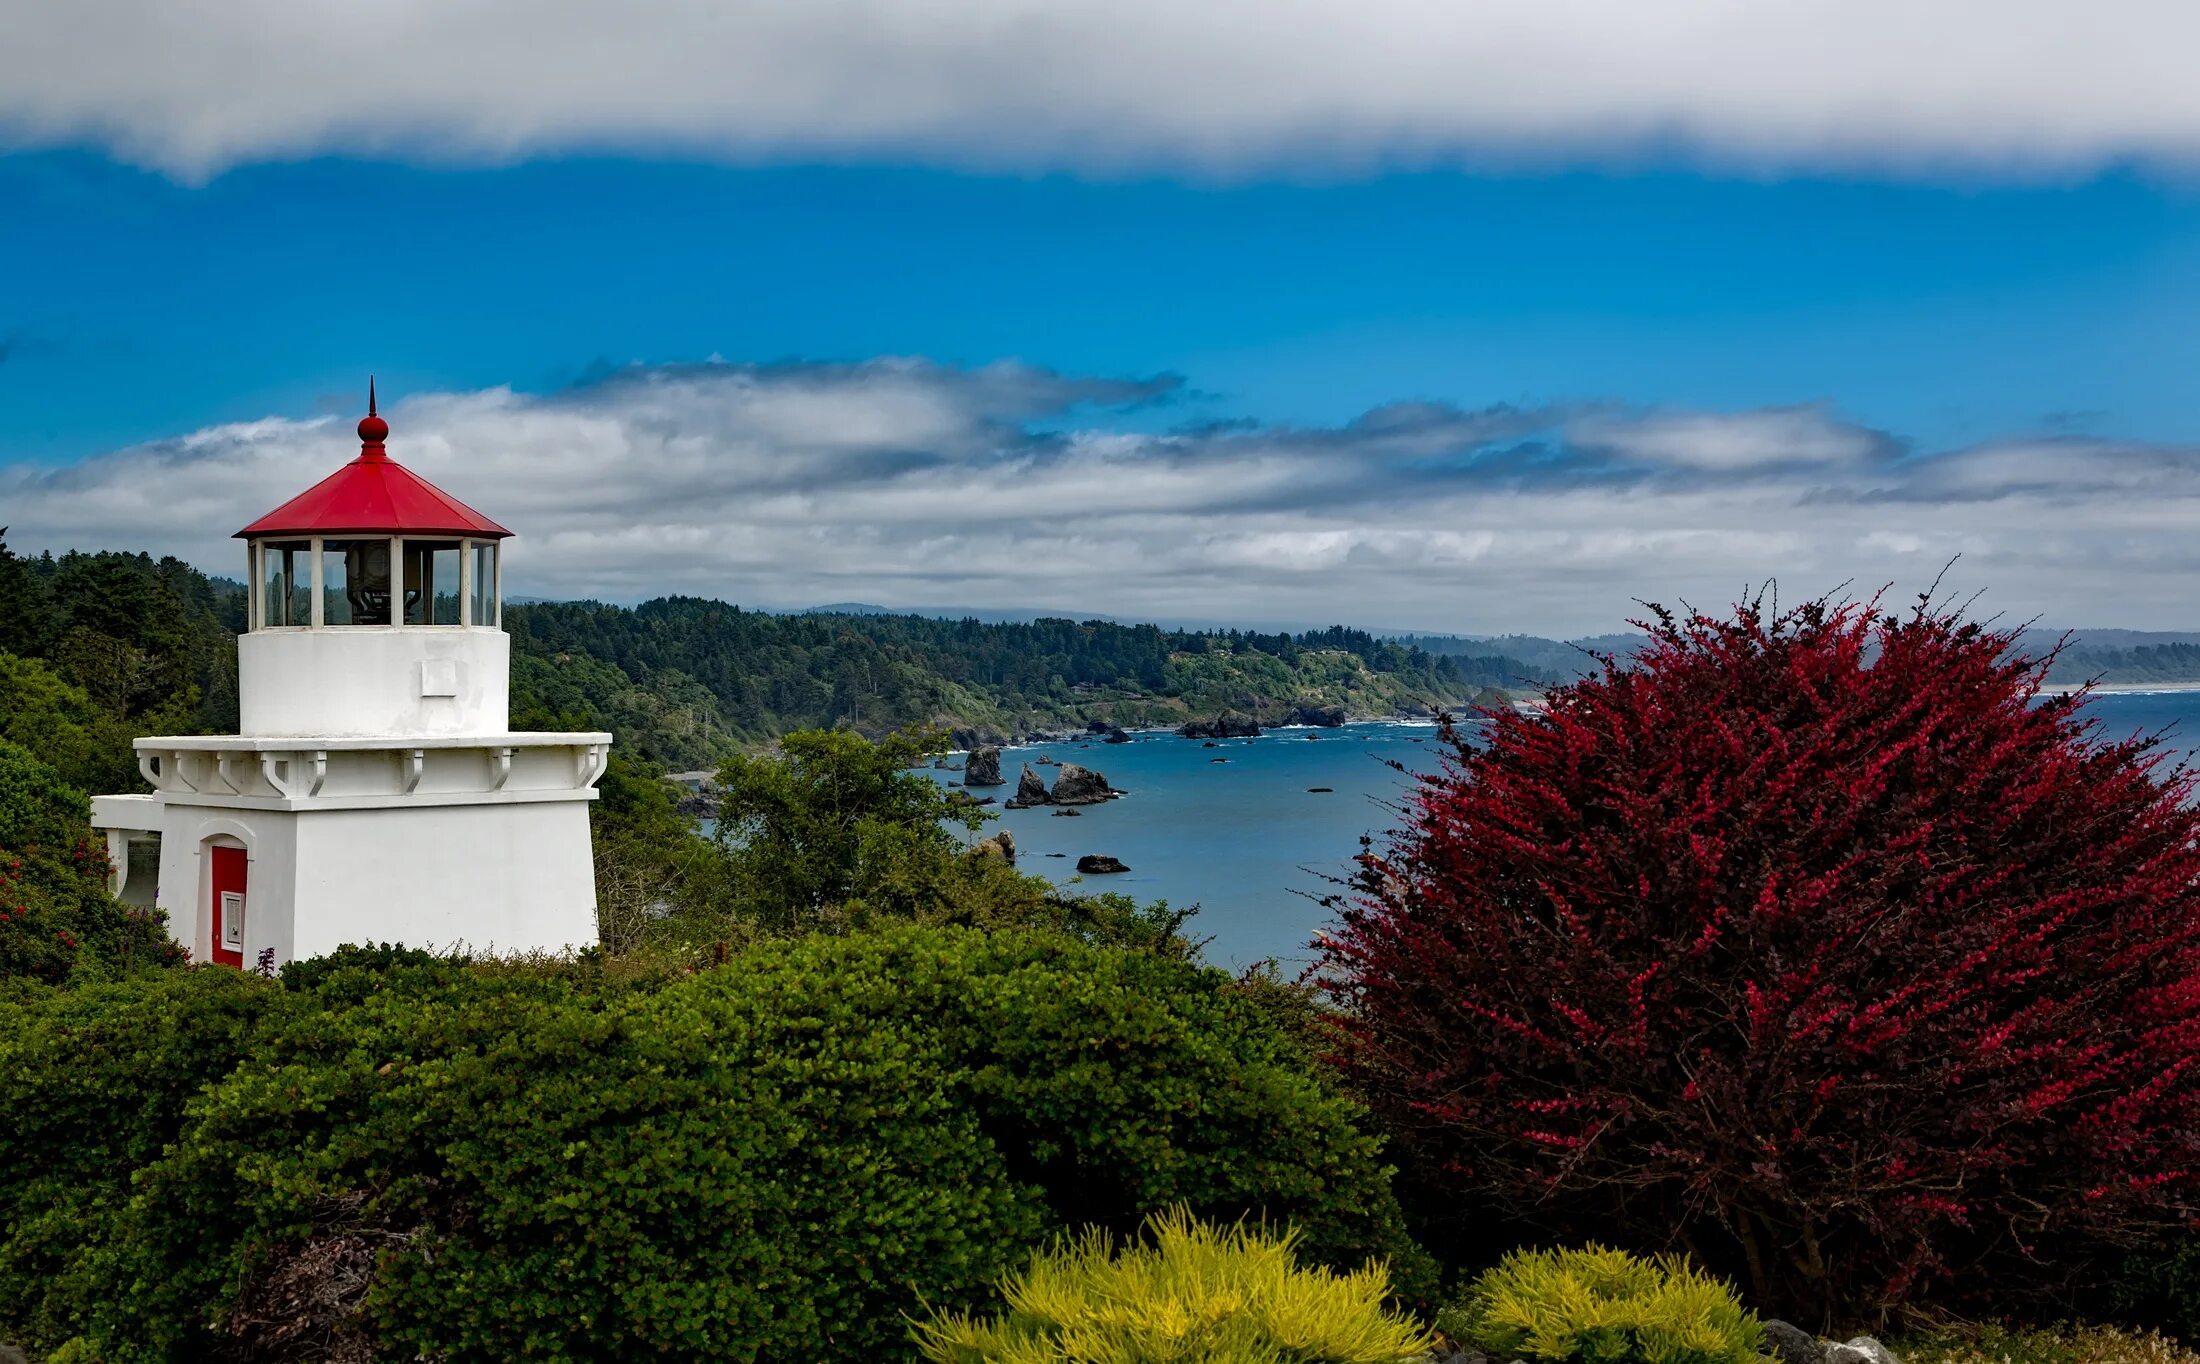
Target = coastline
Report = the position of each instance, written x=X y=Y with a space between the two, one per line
x=2119 y=688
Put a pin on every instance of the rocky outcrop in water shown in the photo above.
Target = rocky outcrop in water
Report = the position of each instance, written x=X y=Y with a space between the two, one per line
x=1231 y=724
x=1075 y=785
x=1031 y=789
x=1099 y=864
x=1001 y=845
x=983 y=768
x=1327 y=717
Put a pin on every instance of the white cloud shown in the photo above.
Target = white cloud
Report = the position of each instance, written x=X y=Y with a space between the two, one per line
x=1220 y=86
x=910 y=484
x=1729 y=442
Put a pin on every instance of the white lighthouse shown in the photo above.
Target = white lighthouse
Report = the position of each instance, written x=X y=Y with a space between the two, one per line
x=376 y=793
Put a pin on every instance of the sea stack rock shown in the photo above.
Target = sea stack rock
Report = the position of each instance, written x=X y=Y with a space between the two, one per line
x=983 y=767
x=1075 y=785
x=1099 y=864
x=1031 y=788
x=1117 y=736
x=1327 y=717
x=1231 y=724
x=1001 y=845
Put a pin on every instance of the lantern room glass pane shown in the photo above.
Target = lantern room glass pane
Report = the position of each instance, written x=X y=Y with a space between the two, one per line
x=431 y=582
x=485 y=583
x=286 y=583
x=355 y=582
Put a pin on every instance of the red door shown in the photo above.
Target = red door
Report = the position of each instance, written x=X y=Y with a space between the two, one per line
x=228 y=885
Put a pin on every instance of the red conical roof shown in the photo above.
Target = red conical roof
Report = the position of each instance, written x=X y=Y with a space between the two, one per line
x=374 y=495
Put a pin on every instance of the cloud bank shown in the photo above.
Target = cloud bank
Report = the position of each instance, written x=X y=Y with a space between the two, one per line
x=912 y=484
x=1221 y=87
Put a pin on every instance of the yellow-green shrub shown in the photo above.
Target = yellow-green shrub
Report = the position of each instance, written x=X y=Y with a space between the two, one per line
x=1194 y=1292
x=1599 y=1306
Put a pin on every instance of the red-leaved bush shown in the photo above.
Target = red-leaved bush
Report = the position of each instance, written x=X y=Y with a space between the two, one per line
x=1820 y=943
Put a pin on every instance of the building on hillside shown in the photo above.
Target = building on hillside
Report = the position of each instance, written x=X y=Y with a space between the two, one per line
x=376 y=793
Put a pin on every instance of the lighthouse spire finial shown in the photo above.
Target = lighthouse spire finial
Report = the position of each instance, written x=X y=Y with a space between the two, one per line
x=372 y=429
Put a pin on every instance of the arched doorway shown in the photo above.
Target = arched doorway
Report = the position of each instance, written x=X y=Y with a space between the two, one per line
x=228 y=868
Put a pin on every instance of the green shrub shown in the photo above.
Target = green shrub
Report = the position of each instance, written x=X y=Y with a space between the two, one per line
x=93 y=1085
x=55 y=912
x=780 y=1159
x=1197 y=1293
x=1599 y=1306
x=356 y=970
x=2155 y=1286
x=38 y=810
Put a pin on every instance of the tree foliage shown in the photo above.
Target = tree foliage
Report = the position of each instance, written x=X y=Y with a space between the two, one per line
x=55 y=912
x=1818 y=941
x=832 y=822
x=831 y=832
x=144 y=638
x=86 y=743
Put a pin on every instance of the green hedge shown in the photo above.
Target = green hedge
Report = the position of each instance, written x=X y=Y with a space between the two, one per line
x=93 y=1085
x=781 y=1159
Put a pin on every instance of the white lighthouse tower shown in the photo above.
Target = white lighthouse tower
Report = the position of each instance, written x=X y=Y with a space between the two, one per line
x=376 y=793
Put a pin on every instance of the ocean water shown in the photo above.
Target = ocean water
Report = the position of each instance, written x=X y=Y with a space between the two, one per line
x=1243 y=838
x=1246 y=840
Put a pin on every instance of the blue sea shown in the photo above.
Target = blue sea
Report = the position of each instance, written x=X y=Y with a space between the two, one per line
x=1247 y=841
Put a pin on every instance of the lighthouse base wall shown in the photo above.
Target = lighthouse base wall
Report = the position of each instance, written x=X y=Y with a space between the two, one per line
x=496 y=878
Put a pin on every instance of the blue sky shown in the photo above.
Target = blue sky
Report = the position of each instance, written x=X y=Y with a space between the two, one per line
x=1471 y=318
x=1950 y=312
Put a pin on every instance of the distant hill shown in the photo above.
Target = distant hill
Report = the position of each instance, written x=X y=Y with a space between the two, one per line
x=685 y=680
x=989 y=615
x=2087 y=660
x=1546 y=660
x=2113 y=656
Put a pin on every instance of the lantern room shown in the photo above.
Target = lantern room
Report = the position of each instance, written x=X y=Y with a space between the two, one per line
x=376 y=607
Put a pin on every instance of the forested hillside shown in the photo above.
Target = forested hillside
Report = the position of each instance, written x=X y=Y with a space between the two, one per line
x=2081 y=661
x=98 y=648
x=686 y=680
